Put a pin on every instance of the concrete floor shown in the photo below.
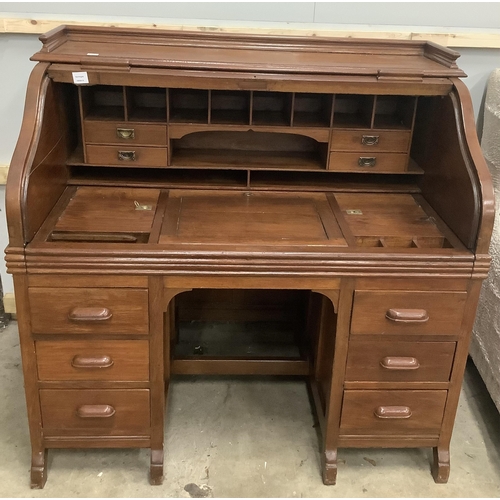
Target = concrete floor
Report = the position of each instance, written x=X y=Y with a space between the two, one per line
x=253 y=437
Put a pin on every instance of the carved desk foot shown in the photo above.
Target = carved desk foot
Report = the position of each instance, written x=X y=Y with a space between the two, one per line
x=329 y=467
x=38 y=469
x=441 y=465
x=156 y=468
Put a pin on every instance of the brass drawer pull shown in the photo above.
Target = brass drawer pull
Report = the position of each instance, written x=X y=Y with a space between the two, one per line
x=125 y=133
x=95 y=411
x=369 y=140
x=367 y=161
x=400 y=363
x=393 y=412
x=407 y=315
x=126 y=155
x=90 y=314
x=91 y=362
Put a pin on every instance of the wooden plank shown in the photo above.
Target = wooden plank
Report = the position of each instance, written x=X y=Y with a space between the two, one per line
x=473 y=39
x=4 y=171
x=9 y=303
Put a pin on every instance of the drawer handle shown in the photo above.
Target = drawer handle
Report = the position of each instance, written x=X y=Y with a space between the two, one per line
x=126 y=155
x=125 y=133
x=400 y=363
x=88 y=362
x=369 y=140
x=407 y=315
x=393 y=412
x=95 y=411
x=367 y=161
x=90 y=314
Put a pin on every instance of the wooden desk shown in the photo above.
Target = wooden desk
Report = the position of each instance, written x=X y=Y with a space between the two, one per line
x=333 y=186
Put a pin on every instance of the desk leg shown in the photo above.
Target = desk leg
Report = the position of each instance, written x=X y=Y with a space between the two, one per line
x=157 y=376
x=38 y=469
x=161 y=347
x=329 y=466
x=441 y=465
x=333 y=397
x=28 y=350
x=156 y=467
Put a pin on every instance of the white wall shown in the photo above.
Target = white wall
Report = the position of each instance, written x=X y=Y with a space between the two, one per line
x=15 y=50
x=442 y=14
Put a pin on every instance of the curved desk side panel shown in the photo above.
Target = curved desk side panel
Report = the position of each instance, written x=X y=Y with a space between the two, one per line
x=38 y=174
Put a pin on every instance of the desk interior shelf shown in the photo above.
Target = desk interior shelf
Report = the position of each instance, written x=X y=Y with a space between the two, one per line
x=247 y=129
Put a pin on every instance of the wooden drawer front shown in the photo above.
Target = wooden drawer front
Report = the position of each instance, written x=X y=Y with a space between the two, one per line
x=131 y=156
x=392 y=412
x=368 y=162
x=388 y=361
x=87 y=411
x=434 y=313
x=112 y=360
x=367 y=141
x=89 y=310
x=101 y=132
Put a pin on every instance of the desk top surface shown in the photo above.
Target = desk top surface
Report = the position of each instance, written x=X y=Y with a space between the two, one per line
x=244 y=219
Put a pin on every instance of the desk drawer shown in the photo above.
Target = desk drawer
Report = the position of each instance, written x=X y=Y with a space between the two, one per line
x=388 y=361
x=89 y=310
x=392 y=412
x=111 y=360
x=127 y=155
x=104 y=132
x=368 y=162
x=384 y=312
x=106 y=412
x=370 y=140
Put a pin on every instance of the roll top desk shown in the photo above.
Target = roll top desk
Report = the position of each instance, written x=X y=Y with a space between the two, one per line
x=334 y=185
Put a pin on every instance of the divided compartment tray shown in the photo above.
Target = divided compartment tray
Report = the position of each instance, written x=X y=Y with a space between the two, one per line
x=392 y=221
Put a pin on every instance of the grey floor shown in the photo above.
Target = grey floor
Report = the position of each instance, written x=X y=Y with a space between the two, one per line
x=235 y=437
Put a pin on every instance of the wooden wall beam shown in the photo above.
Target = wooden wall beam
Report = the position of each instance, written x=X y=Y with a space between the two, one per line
x=4 y=170
x=468 y=39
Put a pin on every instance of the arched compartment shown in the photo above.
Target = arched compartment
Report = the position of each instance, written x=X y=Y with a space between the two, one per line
x=248 y=149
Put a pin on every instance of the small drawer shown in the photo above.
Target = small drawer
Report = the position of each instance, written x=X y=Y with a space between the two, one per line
x=388 y=361
x=89 y=310
x=392 y=412
x=368 y=162
x=127 y=156
x=105 y=132
x=111 y=360
x=106 y=412
x=370 y=140
x=426 y=313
